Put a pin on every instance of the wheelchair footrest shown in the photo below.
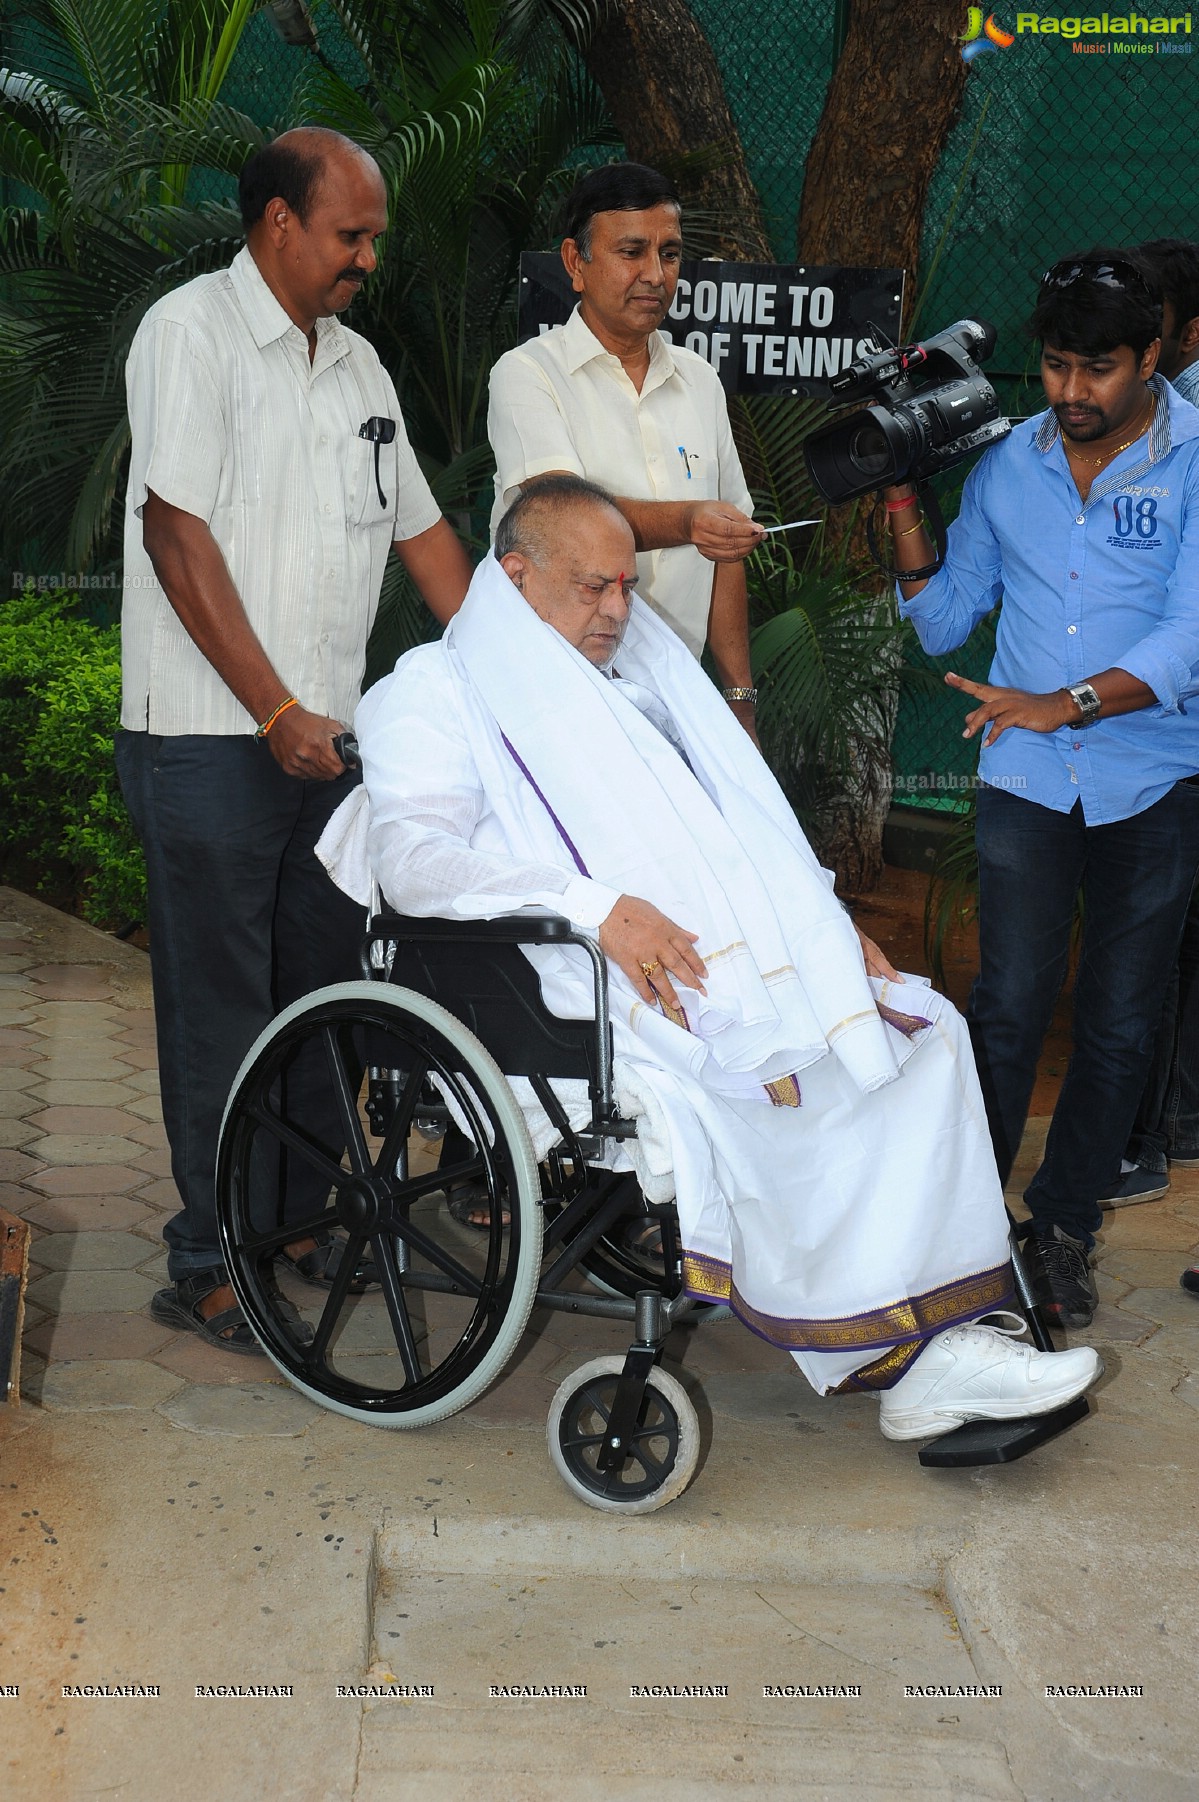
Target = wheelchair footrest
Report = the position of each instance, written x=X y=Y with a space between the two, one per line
x=1000 y=1441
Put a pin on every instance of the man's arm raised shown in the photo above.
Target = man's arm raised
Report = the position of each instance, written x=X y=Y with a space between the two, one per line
x=718 y=530
x=196 y=581
x=526 y=426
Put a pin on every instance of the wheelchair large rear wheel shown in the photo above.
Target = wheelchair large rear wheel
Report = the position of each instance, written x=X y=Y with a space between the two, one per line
x=321 y=1135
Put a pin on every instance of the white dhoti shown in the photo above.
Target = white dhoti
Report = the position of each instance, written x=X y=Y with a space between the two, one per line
x=849 y=1225
x=830 y=1162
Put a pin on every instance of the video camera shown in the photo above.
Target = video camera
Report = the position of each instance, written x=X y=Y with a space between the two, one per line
x=932 y=407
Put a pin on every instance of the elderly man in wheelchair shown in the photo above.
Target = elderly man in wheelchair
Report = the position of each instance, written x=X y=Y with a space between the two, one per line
x=616 y=974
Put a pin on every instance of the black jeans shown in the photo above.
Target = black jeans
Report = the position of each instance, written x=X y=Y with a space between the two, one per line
x=243 y=920
x=1167 y=1122
x=1135 y=876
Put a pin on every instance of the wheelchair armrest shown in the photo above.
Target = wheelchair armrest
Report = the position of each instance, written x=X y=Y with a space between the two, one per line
x=532 y=927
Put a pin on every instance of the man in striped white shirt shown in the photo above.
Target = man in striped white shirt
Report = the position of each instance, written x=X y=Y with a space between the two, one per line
x=270 y=472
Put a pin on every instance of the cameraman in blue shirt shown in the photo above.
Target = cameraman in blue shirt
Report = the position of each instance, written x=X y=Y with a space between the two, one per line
x=1085 y=521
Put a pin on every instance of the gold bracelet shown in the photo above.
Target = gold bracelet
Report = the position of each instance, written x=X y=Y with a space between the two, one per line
x=918 y=527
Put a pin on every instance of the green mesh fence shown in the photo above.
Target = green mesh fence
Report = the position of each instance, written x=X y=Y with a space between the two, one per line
x=1063 y=141
x=1058 y=149
x=934 y=766
x=776 y=57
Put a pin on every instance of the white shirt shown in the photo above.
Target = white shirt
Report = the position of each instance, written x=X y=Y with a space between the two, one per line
x=422 y=825
x=433 y=835
x=562 y=401
x=232 y=422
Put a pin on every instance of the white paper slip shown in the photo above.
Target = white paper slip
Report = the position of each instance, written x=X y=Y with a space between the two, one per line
x=791 y=525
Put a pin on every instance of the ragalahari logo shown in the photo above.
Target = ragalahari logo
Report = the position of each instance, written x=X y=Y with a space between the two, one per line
x=982 y=35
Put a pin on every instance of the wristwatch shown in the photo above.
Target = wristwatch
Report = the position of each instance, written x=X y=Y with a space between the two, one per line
x=1086 y=699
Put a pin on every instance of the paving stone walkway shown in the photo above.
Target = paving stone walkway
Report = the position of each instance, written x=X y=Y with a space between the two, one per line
x=84 y=1161
x=122 y=1419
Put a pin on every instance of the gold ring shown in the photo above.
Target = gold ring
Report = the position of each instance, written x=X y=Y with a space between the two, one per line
x=647 y=970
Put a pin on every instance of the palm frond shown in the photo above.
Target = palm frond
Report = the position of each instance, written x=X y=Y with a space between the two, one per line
x=577 y=20
x=92 y=518
x=770 y=431
x=105 y=39
x=827 y=660
x=400 y=139
x=206 y=133
x=23 y=159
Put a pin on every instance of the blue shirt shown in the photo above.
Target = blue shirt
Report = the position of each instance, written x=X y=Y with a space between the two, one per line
x=1109 y=583
x=1186 y=383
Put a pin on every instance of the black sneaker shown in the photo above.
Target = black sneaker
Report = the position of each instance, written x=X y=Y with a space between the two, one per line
x=1062 y=1284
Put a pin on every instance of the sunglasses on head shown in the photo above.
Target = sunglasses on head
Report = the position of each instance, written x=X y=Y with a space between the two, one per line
x=1106 y=275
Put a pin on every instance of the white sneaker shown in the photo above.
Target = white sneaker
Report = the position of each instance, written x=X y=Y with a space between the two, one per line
x=978 y=1373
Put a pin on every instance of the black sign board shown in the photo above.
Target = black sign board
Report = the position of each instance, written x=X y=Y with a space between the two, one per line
x=766 y=328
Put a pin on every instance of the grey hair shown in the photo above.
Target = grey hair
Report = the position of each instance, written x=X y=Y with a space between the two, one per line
x=540 y=506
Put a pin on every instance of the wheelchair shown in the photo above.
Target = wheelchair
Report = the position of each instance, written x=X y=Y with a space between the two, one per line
x=337 y=1107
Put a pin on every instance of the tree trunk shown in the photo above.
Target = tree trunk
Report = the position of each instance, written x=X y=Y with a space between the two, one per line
x=895 y=96
x=663 y=87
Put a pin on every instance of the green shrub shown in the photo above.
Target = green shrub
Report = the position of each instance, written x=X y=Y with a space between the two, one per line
x=61 y=813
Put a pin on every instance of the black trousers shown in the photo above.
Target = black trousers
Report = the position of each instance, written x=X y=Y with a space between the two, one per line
x=243 y=920
x=1135 y=876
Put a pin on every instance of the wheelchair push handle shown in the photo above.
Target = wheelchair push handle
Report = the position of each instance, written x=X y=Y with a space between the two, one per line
x=346 y=746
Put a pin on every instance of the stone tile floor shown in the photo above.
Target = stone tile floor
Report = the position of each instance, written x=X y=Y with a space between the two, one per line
x=83 y=1158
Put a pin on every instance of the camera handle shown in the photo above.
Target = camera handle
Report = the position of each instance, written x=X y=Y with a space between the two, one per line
x=936 y=525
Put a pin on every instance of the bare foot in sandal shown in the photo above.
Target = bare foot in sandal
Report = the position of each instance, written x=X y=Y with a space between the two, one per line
x=470 y=1205
x=220 y=1299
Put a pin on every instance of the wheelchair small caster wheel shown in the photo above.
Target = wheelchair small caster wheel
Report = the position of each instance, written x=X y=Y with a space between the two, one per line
x=663 y=1450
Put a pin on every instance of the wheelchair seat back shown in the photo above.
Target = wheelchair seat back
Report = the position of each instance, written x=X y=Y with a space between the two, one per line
x=493 y=989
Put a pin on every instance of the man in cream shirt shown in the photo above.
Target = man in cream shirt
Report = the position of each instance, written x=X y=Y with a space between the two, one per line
x=607 y=396
x=269 y=474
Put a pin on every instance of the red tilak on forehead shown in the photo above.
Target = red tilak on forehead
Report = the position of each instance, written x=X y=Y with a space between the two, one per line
x=620 y=578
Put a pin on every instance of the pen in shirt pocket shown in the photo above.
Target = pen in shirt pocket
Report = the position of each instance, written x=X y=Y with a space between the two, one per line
x=686 y=460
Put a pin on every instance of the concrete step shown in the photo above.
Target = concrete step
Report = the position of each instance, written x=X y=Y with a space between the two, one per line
x=800 y=1688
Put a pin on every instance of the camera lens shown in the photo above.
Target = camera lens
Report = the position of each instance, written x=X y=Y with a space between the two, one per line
x=870 y=452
